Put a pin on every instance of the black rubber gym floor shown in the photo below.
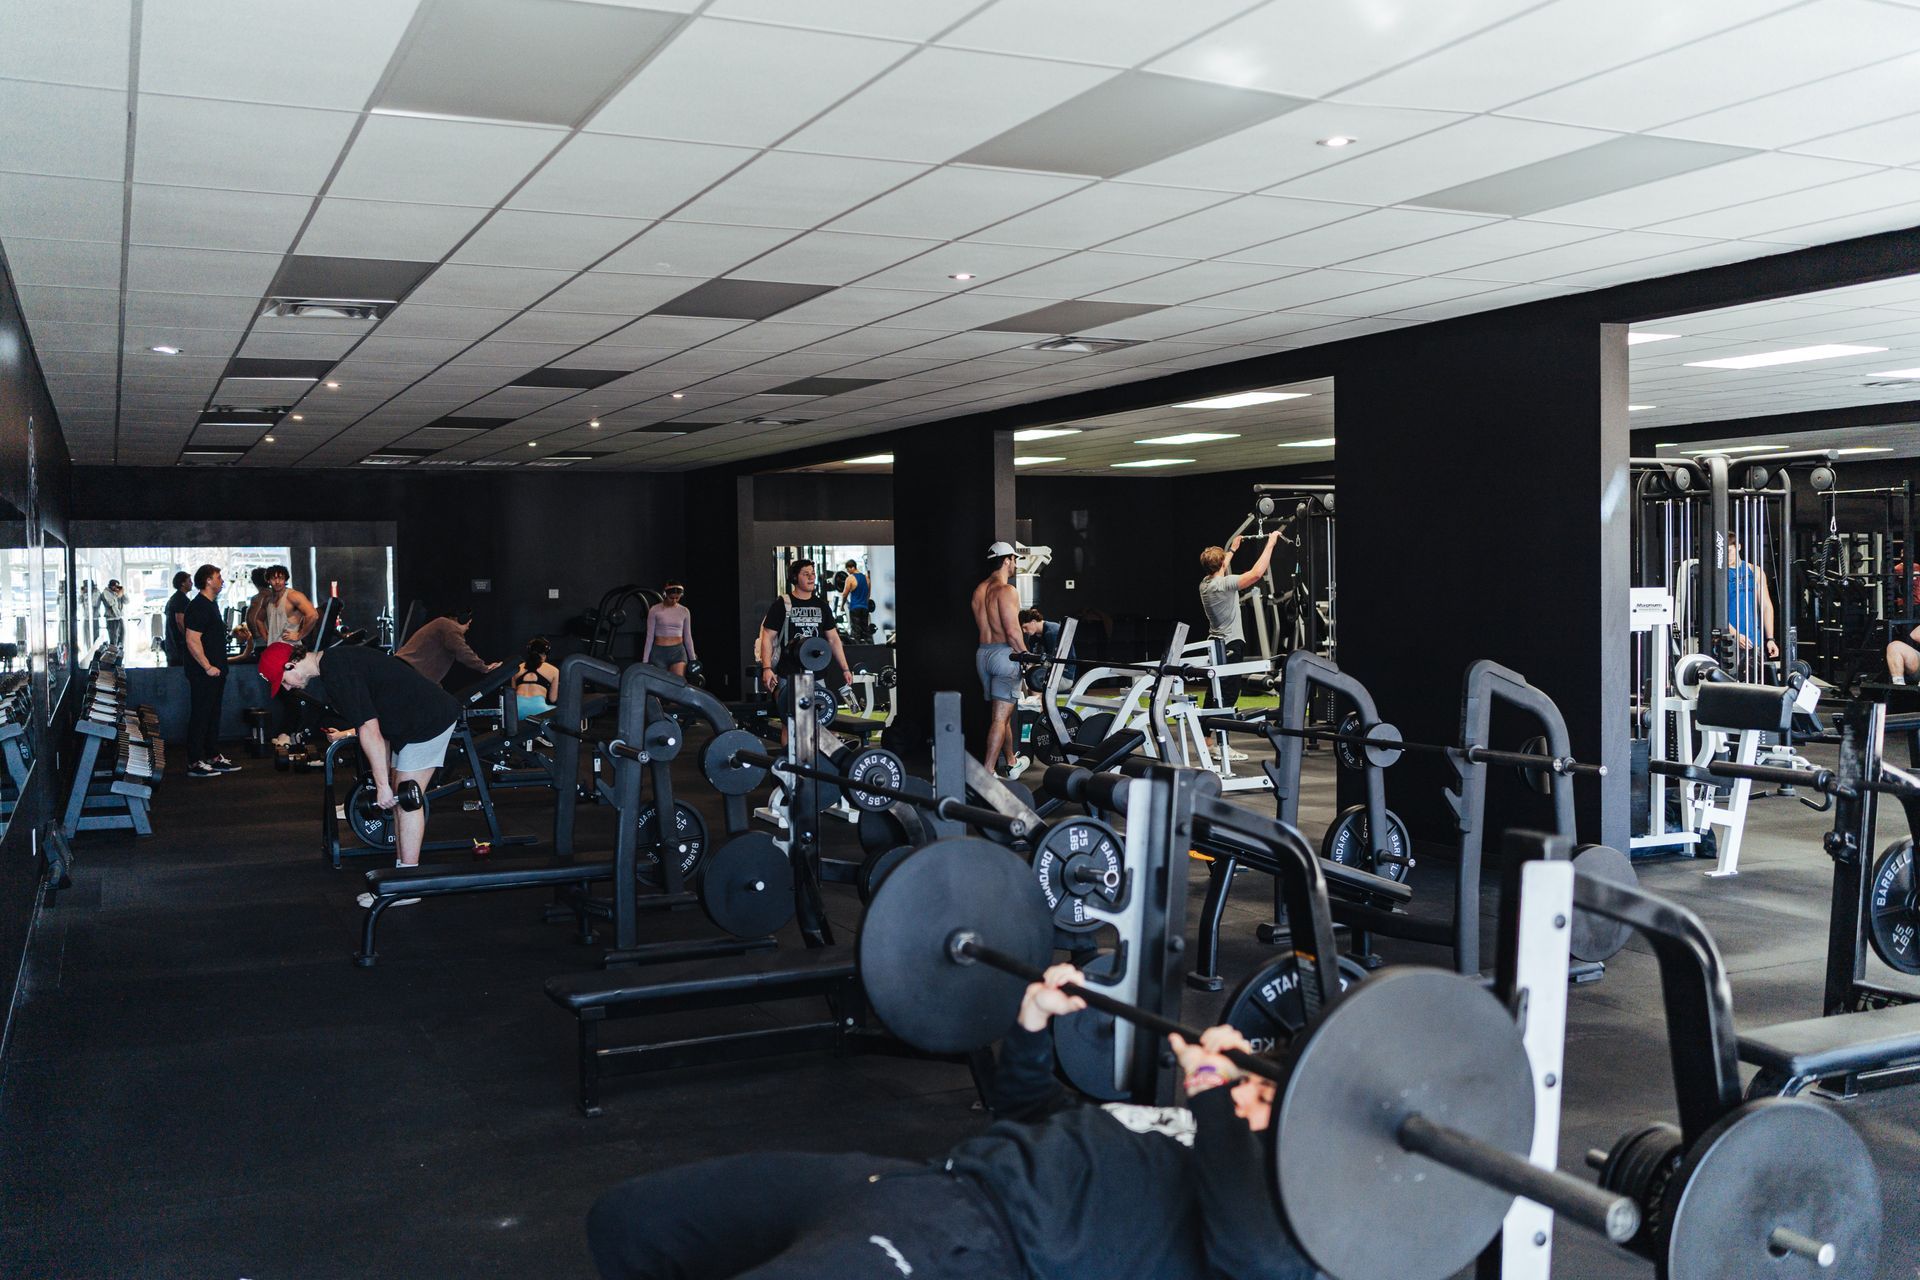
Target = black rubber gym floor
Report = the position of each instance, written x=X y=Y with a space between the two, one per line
x=201 y=1084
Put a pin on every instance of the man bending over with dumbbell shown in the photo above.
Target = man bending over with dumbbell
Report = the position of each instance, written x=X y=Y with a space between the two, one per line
x=404 y=720
x=1057 y=1187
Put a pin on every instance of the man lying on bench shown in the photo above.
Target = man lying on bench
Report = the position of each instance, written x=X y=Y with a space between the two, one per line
x=404 y=722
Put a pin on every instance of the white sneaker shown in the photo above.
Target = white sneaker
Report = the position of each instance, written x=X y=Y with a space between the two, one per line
x=1019 y=766
x=367 y=900
x=1233 y=754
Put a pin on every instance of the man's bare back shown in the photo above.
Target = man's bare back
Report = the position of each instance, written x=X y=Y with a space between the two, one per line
x=996 y=617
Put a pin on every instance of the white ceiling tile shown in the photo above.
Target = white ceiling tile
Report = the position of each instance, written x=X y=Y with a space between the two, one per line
x=1126 y=33
x=942 y=102
x=429 y=161
x=674 y=331
x=1475 y=148
x=832 y=257
x=87 y=45
x=1893 y=218
x=1760 y=218
x=879 y=340
x=920 y=20
x=694 y=249
x=1370 y=232
x=1791 y=48
x=1397 y=297
x=773 y=335
x=1310 y=48
x=49 y=304
x=1703 y=255
x=461 y=285
x=609 y=294
x=196 y=217
x=1169 y=322
x=625 y=177
x=856 y=306
x=1735 y=182
x=566 y=241
x=953 y=200
x=1080 y=274
x=1302 y=290
x=62 y=130
x=310 y=53
x=1551 y=46
x=963 y=311
x=1237 y=224
x=1096 y=214
x=78 y=264
x=569 y=327
x=776 y=80
x=193 y=311
x=241 y=146
x=1196 y=280
x=1505 y=239
x=379 y=229
x=418 y=320
x=1288 y=146
x=789 y=189
x=932 y=272
x=1583 y=255
x=157 y=270
x=59 y=208
x=1864 y=96
x=297 y=346
x=1895 y=141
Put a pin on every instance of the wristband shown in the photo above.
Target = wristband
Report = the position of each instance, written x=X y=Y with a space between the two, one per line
x=1203 y=1077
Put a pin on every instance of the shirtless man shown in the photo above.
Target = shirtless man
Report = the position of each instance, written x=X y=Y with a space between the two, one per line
x=996 y=614
x=279 y=612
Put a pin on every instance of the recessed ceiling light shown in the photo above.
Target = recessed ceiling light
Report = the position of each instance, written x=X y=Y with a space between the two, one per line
x=166 y=351
x=1045 y=433
x=299 y=417
x=1792 y=355
x=871 y=460
x=1033 y=460
x=1241 y=399
x=679 y=395
x=1636 y=408
x=1866 y=448
x=267 y=439
x=1637 y=336
x=1156 y=462
x=1307 y=444
x=1339 y=140
x=1738 y=448
x=1192 y=437
x=331 y=386
x=961 y=275
x=1891 y=373
x=533 y=444
x=595 y=424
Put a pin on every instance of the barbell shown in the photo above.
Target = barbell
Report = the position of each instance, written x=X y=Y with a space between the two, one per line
x=1432 y=1141
x=871 y=778
x=1185 y=671
x=1384 y=745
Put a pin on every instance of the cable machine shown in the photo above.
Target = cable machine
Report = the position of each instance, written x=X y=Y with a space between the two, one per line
x=1293 y=607
x=1859 y=584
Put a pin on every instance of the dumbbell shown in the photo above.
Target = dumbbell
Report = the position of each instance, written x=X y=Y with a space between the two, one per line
x=408 y=796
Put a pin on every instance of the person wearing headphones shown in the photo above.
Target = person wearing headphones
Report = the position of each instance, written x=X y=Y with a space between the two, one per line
x=799 y=614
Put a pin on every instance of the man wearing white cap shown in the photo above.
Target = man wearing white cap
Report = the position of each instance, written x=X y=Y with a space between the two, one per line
x=996 y=612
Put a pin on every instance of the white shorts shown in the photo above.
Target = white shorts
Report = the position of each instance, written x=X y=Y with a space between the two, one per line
x=430 y=754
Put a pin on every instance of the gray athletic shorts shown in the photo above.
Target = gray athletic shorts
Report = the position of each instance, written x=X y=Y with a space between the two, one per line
x=665 y=655
x=999 y=673
x=430 y=754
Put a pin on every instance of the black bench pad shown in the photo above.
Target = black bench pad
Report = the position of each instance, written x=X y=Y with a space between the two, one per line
x=1363 y=884
x=1833 y=1046
x=744 y=979
x=393 y=882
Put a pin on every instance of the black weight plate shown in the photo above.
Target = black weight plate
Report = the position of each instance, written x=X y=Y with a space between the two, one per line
x=1045 y=745
x=1537 y=779
x=1266 y=1007
x=1597 y=938
x=814 y=654
x=877 y=868
x=1092 y=729
x=729 y=779
x=1021 y=792
x=1407 y=1040
x=1770 y=1163
x=662 y=739
x=1346 y=843
x=747 y=888
x=1349 y=754
x=871 y=764
x=1072 y=846
x=1893 y=909
x=689 y=843
x=1083 y=1049
x=897 y=824
x=1035 y=678
x=372 y=824
x=922 y=994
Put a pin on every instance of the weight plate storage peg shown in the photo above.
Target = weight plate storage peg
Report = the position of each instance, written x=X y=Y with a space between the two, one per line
x=747 y=888
x=688 y=846
x=1346 y=843
x=1079 y=863
x=1893 y=908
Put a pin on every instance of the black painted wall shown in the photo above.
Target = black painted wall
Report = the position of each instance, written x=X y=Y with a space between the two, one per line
x=34 y=477
x=528 y=534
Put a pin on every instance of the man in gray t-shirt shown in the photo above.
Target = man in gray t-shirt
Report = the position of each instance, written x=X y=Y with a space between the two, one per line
x=1220 y=597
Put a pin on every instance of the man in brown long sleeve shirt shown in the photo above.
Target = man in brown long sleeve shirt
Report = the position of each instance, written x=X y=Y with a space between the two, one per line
x=435 y=647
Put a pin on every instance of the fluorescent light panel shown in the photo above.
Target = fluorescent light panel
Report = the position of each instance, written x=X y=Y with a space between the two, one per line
x=1636 y=408
x=1192 y=437
x=1897 y=373
x=871 y=460
x=1156 y=462
x=1792 y=355
x=1636 y=337
x=1241 y=399
x=1045 y=433
x=1033 y=460
x=1865 y=448
x=1738 y=448
x=1307 y=444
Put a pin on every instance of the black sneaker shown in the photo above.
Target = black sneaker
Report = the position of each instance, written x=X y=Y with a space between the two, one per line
x=202 y=769
x=221 y=764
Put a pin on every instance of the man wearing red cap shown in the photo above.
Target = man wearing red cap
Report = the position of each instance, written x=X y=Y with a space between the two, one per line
x=404 y=721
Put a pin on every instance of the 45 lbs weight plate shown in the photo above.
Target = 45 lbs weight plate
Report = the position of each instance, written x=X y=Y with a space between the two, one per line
x=1346 y=842
x=1266 y=1008
x=1893 y=909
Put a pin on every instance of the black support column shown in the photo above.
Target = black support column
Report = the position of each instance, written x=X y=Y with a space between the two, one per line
x=1484 y=507
x=952 y=498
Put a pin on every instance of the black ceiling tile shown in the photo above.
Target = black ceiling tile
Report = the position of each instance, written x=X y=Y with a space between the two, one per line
x=822 y=386
x=256 y=367
x=741 y=299
x=373 y=279
x=580 y=378
x=1070 y=317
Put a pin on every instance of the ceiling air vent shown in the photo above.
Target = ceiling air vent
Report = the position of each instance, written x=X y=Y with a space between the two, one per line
x=1083 y=346
x=777 y=422
x=366 y=309
x=1890 y=382
x=210 y=457
x=387 y=460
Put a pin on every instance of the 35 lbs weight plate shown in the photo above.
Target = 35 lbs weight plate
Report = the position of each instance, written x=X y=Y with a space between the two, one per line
x=1346 y=842
x=1893 y=909
x=688 y=845
x=1079 y=863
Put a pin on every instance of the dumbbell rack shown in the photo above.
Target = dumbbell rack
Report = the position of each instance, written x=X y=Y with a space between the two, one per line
x=102 y=799
x=16 y=747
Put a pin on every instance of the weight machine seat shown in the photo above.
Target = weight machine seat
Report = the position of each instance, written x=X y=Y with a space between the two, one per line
x=1839 y=1045
x=856 y=726
x=1106 y=754
x=738 y=979
x=1766 y=708
x=1352 y=884
x=413 y=882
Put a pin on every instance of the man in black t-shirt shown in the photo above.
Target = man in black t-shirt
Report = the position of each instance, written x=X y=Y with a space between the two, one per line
x=404 y=720
x=173 y=631
x=204 y=630
x=798 y=615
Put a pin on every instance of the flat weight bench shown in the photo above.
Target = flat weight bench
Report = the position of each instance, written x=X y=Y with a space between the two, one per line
x=389 y=884
x=757 y=976
x=1794 y=1055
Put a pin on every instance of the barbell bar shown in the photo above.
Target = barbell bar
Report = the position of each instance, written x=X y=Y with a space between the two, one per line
x=950 y=809
x=1824 y=781
x=1390 y=744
